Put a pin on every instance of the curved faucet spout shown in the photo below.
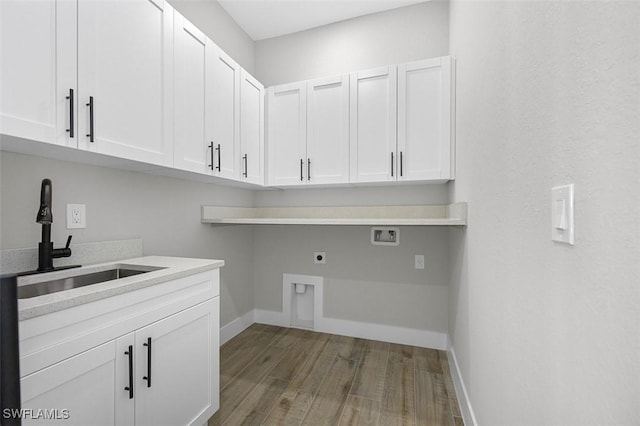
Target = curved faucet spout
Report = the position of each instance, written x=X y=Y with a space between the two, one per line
x=44 y=215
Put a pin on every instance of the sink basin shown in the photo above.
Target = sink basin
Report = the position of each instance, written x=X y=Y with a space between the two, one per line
x=83 y=279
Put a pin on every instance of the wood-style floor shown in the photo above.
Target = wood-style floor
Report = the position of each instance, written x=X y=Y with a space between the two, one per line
x=285 y=376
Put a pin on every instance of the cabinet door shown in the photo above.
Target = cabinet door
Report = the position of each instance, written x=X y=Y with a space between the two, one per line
x=328 y=130
x=38 y=68
x=190 y=147
x=251 y=129
x=223 y=111
x=287 y=131
x=79 y=390
x=424 y=120
x=125 y=56
x=373 y=125
x=179 y=357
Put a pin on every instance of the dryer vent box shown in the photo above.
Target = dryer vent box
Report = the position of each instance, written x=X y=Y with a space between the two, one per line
x=385 y=236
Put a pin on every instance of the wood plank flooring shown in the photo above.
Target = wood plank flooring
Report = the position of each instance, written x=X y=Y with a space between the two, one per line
x=285 y=376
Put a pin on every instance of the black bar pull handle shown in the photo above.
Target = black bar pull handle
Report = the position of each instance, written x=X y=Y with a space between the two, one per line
x=130 y=387
x=148 y=376
x=211 y=148
x=400 y=163
x=301 y=165
x=219 y=166
x=70 y=130
x=90 y=105
x=392 y=164
x=246 y=167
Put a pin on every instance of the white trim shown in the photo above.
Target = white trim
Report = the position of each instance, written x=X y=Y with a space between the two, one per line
x=271 y=318
x=381 y=332
x=461 y=391
x=384 y=333
x=235 y=327
x=288 y=282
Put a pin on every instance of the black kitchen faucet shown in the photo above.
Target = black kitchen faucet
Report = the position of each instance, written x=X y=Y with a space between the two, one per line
x=46 y=252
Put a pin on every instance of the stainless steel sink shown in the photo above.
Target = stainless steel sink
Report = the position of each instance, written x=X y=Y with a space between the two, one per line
x=52 y=286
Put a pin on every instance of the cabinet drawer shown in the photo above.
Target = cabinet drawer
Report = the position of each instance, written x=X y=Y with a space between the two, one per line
x=51 y=338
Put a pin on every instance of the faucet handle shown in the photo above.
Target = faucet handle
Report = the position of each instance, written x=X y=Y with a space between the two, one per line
x=68 y=241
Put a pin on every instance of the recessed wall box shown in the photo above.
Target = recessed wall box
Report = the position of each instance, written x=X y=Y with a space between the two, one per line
x=385 y=236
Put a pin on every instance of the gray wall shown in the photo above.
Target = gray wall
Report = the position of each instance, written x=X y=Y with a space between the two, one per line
x=400 y=35
x=363 y=282
x=548 y=93
x=375 y=284
x=164 y=212
x=216 y=23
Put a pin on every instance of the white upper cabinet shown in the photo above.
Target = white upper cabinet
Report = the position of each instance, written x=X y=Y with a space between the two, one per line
x=328 y=130
x=373 y=125
x=125 y=64
x=424 y=120
x=251 y=129
x=223 y=113
x=38 y=69
x=190 y=142
x=287 y=131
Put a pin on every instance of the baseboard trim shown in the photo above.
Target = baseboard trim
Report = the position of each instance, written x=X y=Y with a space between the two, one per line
x=461 y=390
x=235 y=327
x=381 y=332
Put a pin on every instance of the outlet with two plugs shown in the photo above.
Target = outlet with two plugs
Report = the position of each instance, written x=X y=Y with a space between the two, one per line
x=76 y=216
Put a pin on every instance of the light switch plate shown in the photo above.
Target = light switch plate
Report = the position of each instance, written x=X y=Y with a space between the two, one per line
x=562 y=229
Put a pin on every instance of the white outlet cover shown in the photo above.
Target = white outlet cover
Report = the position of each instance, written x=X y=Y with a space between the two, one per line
x=419 y=261
x=76 y=216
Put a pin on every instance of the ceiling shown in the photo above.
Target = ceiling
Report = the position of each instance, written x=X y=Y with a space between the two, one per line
x=271 y=18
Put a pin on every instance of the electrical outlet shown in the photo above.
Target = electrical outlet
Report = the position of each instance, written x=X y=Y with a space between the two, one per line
x=419 y=261
x=319 y=257
x=76 y=216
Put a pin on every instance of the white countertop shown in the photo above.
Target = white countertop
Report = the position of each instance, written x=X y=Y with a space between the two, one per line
x=173 y=268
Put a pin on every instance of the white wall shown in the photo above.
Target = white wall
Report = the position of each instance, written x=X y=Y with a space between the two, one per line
x=216 y=23
x=548 y=93
x=401 y=35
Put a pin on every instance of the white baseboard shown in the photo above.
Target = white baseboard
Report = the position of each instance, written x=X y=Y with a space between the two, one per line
x=271 y=318
x=384 y=333
x=461 y=391
x=381 y=332
x=235 y=327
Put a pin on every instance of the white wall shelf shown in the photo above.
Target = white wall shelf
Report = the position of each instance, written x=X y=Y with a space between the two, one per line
x=431 y=215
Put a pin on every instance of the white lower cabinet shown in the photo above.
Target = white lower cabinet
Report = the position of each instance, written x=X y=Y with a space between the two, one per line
x=174 y=370
x=79 y=390
x=163 y=372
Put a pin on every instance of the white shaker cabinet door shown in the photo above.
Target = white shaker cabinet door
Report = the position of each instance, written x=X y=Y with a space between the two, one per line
x=223 y=109
x=373 y=125
x=328 y=130
x=38 y=69
x=251 y=129
x=177 y=367
x=424 y=120
x=287 y=132
x=190 y=144
x=125 y=58
x=82 y=385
